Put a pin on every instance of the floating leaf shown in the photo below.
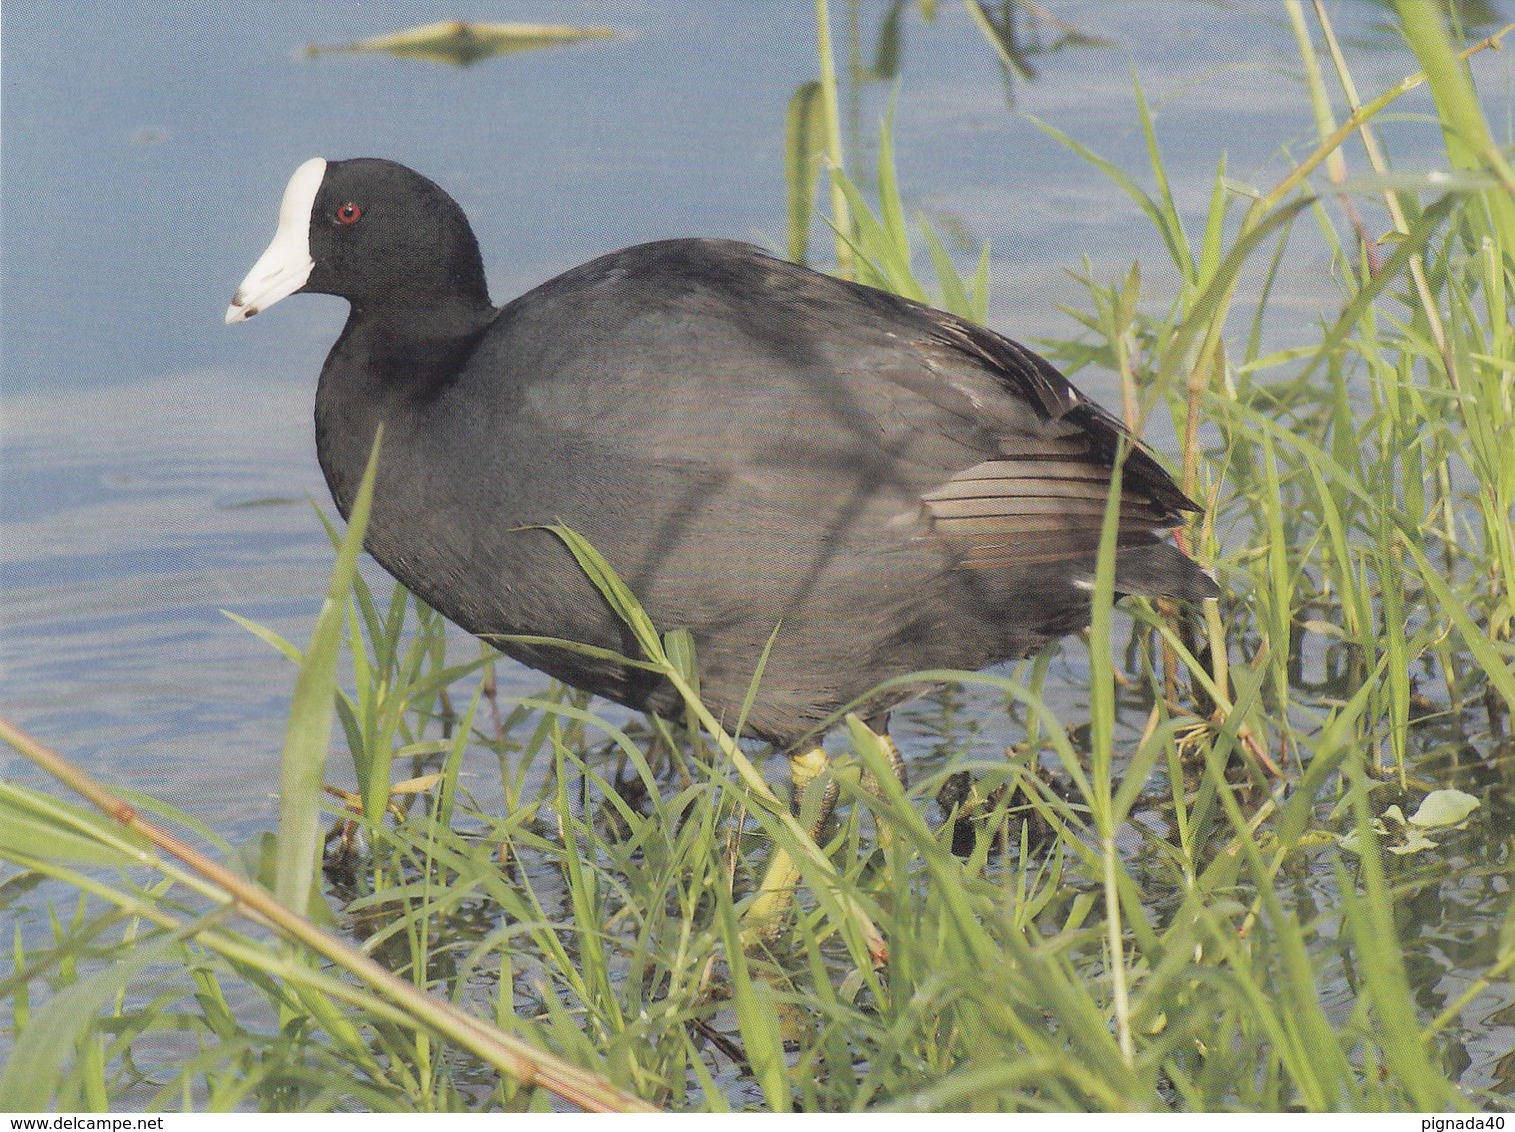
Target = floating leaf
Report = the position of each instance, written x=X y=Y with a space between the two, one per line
x=1404 y=839
x=1401 y=836
x=462 y=43
x=1443 y=808
x=1411 y=841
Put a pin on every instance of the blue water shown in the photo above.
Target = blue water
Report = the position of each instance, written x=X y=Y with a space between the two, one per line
x=145 y=153
x=145 y=150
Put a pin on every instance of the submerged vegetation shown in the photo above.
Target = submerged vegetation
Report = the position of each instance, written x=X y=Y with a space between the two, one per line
x=463 y=44
x=1204 y=893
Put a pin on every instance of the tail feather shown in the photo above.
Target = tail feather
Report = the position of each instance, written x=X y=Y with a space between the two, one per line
x=1160 y=569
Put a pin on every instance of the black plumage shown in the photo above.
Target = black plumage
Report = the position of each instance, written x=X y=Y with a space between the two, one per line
x=751 y=444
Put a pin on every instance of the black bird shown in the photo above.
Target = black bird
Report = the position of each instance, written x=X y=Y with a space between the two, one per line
x=751 y=444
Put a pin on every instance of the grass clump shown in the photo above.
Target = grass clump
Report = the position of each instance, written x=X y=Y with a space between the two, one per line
x=1200 y=897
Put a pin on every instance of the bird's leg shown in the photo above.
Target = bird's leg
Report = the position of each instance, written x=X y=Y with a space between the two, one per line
x=804 y=769
x=871 y=784
x=775 y=893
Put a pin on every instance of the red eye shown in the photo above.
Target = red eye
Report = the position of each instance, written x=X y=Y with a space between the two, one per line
x=348 y=213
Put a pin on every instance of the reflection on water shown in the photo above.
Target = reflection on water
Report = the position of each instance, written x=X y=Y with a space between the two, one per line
x=129 y=533
x=463 y=44
x=119 y=551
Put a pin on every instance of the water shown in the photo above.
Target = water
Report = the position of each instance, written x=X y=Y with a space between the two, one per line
x=157 y=465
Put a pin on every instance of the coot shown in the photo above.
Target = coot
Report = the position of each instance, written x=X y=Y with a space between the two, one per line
x=751 y=444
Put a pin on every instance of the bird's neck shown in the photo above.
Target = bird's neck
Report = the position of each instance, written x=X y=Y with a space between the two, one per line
x=387 y=370
x=412 y=348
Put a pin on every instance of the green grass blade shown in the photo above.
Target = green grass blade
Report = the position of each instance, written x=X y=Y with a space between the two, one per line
x=804 y=149
x=35 y=1067
x=310 y=716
